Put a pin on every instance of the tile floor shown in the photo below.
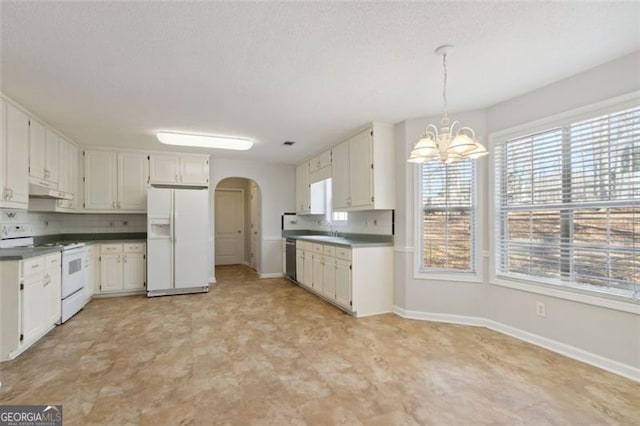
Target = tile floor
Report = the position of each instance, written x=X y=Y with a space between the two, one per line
x=267 y=352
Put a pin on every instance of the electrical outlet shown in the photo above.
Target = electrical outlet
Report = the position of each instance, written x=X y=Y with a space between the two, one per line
x=541 y=309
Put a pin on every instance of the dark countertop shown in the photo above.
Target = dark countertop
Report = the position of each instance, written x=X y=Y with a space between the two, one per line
x=19 y=253
x=345 y=240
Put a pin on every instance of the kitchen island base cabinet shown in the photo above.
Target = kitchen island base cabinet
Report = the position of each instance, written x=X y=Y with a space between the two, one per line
x=358 y=279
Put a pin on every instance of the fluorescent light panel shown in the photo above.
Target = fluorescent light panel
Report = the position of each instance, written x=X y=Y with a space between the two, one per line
x=203 y=141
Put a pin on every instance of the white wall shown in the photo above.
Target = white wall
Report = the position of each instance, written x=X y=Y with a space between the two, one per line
x=601 y=335
x=276 y=183
x=435 y=296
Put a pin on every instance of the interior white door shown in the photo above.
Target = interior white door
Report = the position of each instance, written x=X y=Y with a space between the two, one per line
x=254 y=226
x=190 y=238
x=229 y=223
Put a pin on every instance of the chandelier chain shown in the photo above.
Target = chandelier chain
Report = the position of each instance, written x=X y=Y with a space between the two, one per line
x=445 y=118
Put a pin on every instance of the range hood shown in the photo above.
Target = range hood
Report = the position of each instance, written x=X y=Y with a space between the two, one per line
x=38 y=189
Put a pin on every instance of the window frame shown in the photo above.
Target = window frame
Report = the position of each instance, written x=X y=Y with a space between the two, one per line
x=478 y=256
x=539 y=286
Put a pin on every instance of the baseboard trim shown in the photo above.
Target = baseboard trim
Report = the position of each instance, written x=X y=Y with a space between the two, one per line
x=271 y=275
x=587 y=357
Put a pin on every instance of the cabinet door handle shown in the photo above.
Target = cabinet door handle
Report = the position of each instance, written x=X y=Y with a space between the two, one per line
x=119 y=205
x=181 y=178
x=125 y=258
x=176 y=178
x=113 y=204
x=118 y=259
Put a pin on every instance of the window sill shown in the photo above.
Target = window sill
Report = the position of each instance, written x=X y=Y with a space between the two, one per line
x=462 y=277
x=604 y=300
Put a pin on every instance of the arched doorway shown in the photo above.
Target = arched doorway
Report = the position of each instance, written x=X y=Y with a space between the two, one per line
x=237 y=222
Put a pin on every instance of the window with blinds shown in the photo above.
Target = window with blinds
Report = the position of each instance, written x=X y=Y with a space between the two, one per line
x=568 y=205
x=447 y=211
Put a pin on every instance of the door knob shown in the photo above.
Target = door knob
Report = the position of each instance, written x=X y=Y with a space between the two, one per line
x=239 y=231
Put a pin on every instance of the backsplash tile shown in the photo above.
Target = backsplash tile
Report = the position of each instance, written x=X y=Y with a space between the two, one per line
x=379 y=222
x=71 y=223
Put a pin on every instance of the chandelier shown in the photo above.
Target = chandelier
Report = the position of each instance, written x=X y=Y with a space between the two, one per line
x=451 y=142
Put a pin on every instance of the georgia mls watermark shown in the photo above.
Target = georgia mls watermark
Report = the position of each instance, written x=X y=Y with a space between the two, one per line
x=30 y=415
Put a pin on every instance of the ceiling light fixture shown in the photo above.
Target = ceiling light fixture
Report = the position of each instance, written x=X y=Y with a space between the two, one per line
x=203 y=141
x=451 y=142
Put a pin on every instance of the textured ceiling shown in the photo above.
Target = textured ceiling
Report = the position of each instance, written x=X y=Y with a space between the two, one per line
x=114 y=73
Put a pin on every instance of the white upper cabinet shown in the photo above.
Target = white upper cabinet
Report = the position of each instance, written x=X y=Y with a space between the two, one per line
x=68 y=180
x=100 y=180
x=164 y=169
x=14 y=147
x=68 y=175
x=303 y=191
x=340 y=176
x=133 y=174
x=179 y=170
x=37 y=147
x=115 y=180
x=194 y=170
x=44 y=155
x=362 y=170
x=320 y=167
x=51 y=156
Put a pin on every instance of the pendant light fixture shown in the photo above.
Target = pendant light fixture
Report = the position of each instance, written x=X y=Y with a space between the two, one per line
x=451 y=142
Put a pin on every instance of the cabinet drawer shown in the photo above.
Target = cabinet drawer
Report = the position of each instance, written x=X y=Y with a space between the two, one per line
x=317 y=248
x=303 y=245
x=329 y=250
x=134 y=248
x=33 y=266
x=110 y=248
x=52 y=260
x=343 y=253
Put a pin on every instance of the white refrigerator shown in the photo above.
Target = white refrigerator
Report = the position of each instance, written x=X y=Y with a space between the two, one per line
x=177 y=241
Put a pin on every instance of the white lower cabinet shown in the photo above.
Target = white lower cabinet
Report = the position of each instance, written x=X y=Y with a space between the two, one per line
x=92 y=271
x=359 y=279
x=53 y=287
x=33 y=306
x=343 y=283
x=30 y=295
x=299 y=264
x=318 y=271
x=122 y=267
x=307 y=276
x=329 y=277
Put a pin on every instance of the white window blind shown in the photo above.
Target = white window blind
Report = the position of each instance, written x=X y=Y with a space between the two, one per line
x=447 y=211
x=568 y=205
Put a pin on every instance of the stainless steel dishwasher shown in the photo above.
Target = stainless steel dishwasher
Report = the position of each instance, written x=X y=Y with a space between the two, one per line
x=290 y=254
